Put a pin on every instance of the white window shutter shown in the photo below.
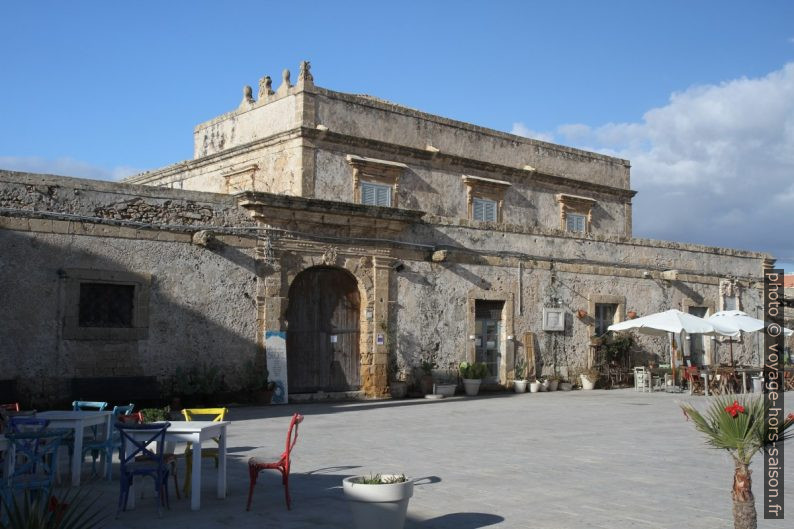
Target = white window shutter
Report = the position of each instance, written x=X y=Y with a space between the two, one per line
x=367 y=194
x=479 y=209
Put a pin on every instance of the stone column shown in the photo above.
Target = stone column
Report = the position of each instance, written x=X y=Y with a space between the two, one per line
x=374 y=377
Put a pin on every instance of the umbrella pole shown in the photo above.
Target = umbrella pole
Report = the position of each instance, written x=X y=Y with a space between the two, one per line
x=730 y=342
x=672 y=358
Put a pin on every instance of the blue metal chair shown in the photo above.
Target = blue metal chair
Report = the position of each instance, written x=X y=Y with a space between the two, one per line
x=108 y=446
x=138 y=460
x=35 y=461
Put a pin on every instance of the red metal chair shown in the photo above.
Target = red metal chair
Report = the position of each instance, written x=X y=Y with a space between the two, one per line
x=256 y=465
x=13 y=406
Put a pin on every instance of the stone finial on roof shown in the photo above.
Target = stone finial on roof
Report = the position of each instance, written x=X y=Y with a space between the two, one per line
x=248 y=96
x=305 y=77
x=265 y=88
x=285 y=86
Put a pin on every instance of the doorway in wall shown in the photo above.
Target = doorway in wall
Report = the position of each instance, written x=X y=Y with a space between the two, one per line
x=488 y=335
x=323 y=331
x=697 y=349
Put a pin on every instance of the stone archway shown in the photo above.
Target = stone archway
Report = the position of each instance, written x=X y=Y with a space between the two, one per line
x=323 y=334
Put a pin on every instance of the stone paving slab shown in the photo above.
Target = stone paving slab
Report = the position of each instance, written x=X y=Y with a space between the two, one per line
x=596 y=459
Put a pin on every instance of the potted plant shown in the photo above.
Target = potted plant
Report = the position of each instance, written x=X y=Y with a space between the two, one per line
x=472 y=374
x=589 y=378
x=428 y=365
x=565 y=385
x=740 y=427
x=379 y=500
x=534 y=386
x=398 y=386
x=554 y=381
x=257 y=384
x=520 y=371
x=631 y=314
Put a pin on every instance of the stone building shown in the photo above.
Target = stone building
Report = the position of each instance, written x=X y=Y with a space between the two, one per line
x=374 y=234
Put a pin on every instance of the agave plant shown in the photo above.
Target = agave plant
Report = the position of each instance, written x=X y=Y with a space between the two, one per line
x=738 y=424
x=74 y=511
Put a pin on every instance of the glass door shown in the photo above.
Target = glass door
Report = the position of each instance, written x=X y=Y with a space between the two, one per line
x=488 y=336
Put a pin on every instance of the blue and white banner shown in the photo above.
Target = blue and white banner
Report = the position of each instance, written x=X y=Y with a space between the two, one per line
x=276 y=353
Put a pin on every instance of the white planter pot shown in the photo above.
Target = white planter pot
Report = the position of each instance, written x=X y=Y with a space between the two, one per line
x=534 y=387
x=382 y=506
x=553 y=385
x=447 y=390
x=758 y=385
x=565 y=386
x=471 y=386
x=519 y=386
x=586 y=383
x=544 y=386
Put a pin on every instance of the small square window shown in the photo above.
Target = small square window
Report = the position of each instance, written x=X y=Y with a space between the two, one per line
x=575 y=222
x=375 y=194
x=484 y=209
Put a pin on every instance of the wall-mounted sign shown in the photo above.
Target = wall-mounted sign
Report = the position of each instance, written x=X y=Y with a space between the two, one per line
x=276 y=354
x=553 y=319
x=333 y=338
x=380 y=340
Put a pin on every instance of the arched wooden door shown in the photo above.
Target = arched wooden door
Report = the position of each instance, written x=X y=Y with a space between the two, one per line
x=322 y=331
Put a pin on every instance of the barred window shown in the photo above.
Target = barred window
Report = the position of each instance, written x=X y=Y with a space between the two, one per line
x=106 y=305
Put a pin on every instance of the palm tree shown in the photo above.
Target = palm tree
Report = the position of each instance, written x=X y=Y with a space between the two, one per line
x=738 y=424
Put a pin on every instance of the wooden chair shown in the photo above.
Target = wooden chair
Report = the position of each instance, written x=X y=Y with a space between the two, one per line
x=170 y=457
x=692 y=376
x=217 y=414
x=109 y=445
x=282 y=464
x=138 y=460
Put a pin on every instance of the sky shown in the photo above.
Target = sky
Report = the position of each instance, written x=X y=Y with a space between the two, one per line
x=698 y=95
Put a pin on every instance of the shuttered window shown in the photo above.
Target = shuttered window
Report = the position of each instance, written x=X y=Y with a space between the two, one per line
x=484 y=209
x=375 y=194
x=575 y=222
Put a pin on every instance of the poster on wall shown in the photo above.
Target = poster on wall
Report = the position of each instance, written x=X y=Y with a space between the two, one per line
x=276 y=351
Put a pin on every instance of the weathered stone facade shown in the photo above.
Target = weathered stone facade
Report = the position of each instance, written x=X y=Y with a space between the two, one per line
x=277 y=184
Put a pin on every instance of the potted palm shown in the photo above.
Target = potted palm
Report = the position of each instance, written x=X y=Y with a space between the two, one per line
x=738 y=424
x=472 y=374
x=554 y=381
x=428 y=365
x=379 y=500
x=520 y=371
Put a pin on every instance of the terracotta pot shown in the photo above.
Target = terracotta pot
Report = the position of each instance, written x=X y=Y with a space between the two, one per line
x=631 y=314
x=398 y=390
x=581 y=313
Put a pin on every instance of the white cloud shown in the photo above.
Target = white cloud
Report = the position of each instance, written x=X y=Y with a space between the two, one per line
x=714 y=166
x=65 y=167
x=519 y=129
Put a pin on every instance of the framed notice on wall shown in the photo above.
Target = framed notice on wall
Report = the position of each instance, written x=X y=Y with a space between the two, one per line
x=276 y=353
x=553 y=319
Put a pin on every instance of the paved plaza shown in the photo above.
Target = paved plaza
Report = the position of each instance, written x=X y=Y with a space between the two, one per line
x=596 y=459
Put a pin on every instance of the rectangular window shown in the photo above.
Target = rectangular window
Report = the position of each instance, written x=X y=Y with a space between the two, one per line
x=484 y=209
x=604 y=316
x=575 y=222
x=106 y=305
x=375 y=194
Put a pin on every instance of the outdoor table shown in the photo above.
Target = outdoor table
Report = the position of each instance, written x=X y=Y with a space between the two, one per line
x=194 y=432
x=78 y=421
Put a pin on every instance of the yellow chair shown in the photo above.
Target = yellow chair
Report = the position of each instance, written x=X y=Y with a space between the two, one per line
x=217 y=414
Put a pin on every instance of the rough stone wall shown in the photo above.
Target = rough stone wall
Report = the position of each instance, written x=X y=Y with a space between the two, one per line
x=242 y=127
x=110 y=200
x=442 y=192
x=386 y=122
x=200 y=308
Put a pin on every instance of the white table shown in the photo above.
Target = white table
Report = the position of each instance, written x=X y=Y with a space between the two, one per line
x=195 y=432
x=78 y=421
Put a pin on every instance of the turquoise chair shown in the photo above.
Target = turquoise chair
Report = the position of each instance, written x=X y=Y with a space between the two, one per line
x=108 y=446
